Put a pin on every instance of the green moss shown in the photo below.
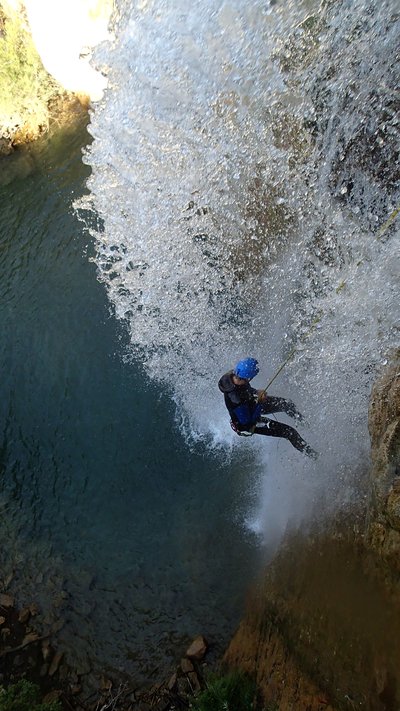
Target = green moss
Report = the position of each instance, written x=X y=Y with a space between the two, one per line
x=232 y=692
x=24 y=696
x=25 y=86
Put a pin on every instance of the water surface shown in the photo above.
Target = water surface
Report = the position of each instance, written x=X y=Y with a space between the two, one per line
x=107 y=514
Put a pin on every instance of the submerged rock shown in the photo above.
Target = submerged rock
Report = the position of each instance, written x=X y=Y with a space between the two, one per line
x=197 y=649
x=6 y=600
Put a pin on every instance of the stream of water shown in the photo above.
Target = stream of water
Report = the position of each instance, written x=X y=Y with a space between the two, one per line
x=244 y=159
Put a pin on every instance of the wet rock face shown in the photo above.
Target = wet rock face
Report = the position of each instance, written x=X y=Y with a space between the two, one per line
x=384 y=427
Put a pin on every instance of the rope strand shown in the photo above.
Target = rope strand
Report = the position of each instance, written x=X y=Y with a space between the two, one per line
x=293 y=351
x=378 y=235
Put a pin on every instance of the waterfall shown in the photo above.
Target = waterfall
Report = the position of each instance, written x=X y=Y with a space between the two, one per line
x=245 y=156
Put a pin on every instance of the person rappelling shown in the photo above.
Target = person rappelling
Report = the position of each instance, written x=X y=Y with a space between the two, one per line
x=248 y=407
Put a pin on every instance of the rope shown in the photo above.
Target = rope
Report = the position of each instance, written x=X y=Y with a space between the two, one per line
x=292 y=352
x=378 y=235
x=388 y=222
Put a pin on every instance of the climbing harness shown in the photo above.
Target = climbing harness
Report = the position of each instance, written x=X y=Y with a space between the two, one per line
x=241 y=433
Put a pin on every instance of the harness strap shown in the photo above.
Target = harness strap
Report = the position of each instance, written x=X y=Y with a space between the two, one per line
x=242 y=433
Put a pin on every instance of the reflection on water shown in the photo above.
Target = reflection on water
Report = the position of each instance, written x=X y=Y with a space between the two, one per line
x=130 y=542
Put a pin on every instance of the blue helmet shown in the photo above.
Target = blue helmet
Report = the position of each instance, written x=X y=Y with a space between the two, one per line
x=246 y=369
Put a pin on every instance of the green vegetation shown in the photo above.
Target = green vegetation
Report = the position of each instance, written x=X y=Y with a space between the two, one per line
x=24 y=696
x=232 y=692
x=25 y=86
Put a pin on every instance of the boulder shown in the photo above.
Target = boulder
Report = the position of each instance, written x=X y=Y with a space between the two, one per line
x=197 y=649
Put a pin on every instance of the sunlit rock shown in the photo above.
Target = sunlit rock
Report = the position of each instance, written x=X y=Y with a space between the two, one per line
x=64 y=34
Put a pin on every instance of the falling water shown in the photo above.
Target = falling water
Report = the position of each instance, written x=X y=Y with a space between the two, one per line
x=244 y=159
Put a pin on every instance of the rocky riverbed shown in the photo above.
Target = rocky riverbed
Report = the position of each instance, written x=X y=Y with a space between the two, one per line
x=27 y=652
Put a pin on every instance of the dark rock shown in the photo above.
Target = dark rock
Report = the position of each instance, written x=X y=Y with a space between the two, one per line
x=75 y=689
x=46 y=649
x=57 y=626
x=83 y=667
x=44 y=670
x=162 y=705
x=63 y=672
x=24 y=615
x=10 y=577
x=32 y=637
x=5 y=632
x=55 y=663
x=155 y=688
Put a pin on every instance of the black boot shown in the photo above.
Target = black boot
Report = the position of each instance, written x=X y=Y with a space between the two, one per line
x=310 y=452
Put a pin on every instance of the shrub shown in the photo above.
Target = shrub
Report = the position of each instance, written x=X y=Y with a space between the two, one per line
x=232 y=692
x=24 y=696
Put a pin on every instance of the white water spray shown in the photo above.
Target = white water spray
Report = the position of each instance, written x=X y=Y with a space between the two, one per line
x=241 y=165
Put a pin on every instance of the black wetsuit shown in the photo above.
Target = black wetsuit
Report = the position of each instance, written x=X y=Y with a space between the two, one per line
x=248 y=415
